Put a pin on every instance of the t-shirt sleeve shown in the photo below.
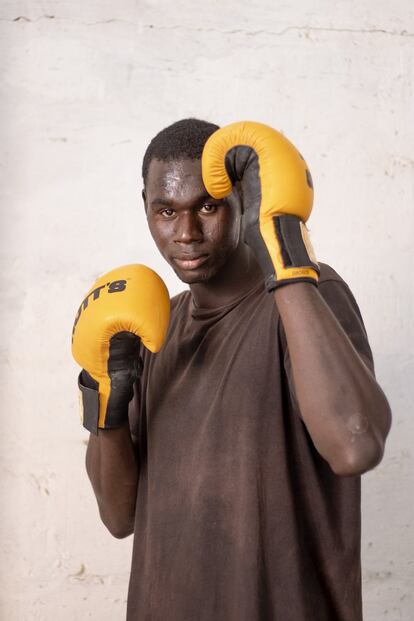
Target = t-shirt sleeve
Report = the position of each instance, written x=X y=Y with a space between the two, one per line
x=342 y=303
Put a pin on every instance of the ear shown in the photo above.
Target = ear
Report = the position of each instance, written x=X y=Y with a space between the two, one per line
x=144 y=198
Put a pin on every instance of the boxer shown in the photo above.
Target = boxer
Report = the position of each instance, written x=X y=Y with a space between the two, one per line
x=229 y=433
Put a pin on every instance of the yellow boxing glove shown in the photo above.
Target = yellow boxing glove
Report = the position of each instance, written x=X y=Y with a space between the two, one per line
x=124 y=307
x=277 y=197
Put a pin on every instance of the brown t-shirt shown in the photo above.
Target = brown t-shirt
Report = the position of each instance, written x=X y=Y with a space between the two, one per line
x=238 y=517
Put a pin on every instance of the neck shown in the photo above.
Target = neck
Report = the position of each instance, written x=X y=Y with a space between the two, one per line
x=237 y=276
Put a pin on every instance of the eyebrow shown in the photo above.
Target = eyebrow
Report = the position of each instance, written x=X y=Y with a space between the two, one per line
x=162 y=201
x=166 y=202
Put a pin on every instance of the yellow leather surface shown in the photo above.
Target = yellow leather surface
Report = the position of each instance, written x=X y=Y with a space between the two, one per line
x=283 y=180
x=131 y=298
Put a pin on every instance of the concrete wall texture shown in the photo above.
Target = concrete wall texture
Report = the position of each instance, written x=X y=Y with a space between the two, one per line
x=84 y=86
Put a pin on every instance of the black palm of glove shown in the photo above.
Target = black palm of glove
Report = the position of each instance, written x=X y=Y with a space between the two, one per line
x=277 y=197
x=124 y=368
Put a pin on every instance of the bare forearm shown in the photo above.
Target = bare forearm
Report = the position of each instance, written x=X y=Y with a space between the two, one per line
x=341 y=403
x=112 y=468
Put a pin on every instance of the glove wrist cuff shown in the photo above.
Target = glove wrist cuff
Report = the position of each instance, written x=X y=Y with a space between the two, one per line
x=291 y=252
x=90 y=398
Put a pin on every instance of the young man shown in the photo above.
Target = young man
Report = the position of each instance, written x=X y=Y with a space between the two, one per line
x=239 y=469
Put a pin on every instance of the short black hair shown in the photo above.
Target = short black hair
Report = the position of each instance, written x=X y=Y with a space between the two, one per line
x=184 y=139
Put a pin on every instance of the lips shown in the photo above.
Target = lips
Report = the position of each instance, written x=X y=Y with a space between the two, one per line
x=190 y=261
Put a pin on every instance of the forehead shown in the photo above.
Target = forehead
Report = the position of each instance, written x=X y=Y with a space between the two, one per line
x=174 y=179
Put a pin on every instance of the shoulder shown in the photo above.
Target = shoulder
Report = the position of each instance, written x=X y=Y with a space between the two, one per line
x=179 y=301
x=339 y=297
x=336 y=290
x=180 y=311
x=328 y=274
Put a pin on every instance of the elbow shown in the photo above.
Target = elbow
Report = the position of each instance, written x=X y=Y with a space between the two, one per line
x=119 y=528
x=119 y=531
x=356 y=460
x=364 y=449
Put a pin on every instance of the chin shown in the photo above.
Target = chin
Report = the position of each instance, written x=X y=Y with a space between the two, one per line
x=192 y=277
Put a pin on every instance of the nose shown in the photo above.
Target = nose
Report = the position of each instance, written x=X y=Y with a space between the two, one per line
x=188 y=229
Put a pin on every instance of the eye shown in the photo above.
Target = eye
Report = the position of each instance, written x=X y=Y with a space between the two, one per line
x=208 y=208
x=167 y=213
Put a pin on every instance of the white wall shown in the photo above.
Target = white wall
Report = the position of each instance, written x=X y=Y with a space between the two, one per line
x=84 y=86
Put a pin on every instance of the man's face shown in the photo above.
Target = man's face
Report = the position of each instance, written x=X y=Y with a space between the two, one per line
x=195 y=233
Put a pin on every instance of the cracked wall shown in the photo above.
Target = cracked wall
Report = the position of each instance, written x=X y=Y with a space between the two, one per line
x=84 y=87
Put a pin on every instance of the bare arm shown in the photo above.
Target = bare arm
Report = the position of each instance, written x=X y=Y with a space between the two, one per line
x=112 y=467
x=342 y=405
